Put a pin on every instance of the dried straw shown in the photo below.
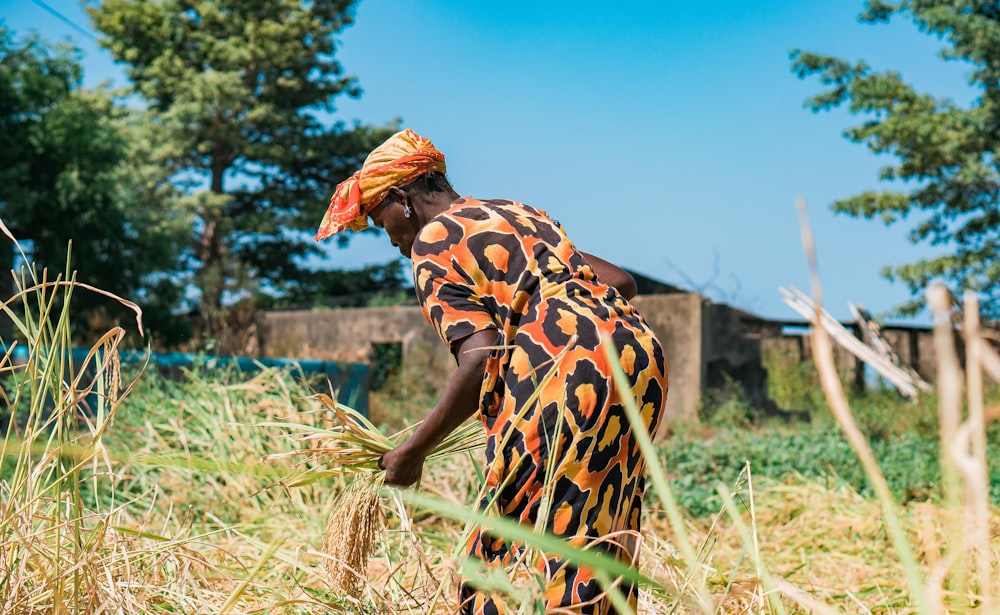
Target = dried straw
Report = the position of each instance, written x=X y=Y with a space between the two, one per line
x=351 y=531
x=352 y=448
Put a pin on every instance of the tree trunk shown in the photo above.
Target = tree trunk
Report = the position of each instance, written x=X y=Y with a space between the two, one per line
x=211 y=253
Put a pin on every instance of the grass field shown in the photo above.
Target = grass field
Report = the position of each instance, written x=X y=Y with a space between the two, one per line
x=173 y=513
x=137 y=494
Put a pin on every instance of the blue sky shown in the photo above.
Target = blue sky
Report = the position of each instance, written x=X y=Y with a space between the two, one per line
x=669 y=137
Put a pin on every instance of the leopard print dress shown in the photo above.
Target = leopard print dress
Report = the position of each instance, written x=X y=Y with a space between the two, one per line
x=553 y=416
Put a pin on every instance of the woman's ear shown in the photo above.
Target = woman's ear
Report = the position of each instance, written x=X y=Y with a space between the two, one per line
x=397 y=192
x=404 y=199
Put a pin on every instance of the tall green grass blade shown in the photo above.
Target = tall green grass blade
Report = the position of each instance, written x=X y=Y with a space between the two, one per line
x=748 y=539
x=658 y=475
x=545 y=542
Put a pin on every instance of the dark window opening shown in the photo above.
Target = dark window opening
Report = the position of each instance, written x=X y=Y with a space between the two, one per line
x=386 y=364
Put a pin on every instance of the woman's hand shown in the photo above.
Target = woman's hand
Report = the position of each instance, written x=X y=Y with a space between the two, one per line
x=402 y=466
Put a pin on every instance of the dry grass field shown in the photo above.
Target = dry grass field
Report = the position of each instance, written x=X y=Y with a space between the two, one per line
x=130 y=493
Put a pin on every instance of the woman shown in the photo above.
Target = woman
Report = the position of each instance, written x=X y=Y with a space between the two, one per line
x=524 y=313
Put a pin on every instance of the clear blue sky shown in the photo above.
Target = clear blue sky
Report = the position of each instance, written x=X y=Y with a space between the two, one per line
x=669 y=137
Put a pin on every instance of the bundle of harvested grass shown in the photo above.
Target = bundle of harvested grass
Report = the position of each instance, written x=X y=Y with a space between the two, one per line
x=351 y=448
x=353 y=445
x=351 y=531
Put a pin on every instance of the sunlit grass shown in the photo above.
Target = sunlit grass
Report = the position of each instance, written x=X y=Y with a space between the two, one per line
x=146 y=495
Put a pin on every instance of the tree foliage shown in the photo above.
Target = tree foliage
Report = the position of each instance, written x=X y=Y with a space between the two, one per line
x=240 y=95
x=69 y=170
x=945 y=178
x=383 y=285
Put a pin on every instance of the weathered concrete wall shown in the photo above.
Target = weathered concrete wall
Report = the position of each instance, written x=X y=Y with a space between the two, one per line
x=704 y=343
x=347 y=334
x=915 y=347
x=799 y=346
x=927 y=356
x=677 y=320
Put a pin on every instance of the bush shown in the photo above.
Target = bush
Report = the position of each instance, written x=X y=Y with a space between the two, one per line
x=792 y=384
x=909 y=461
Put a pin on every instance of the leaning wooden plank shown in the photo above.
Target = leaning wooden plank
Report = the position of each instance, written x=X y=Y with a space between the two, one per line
x=804 y=305
x=847 y=339
x=872 y=335
x=869 y=331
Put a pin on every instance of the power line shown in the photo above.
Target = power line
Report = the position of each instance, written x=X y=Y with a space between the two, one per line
x=65 y=19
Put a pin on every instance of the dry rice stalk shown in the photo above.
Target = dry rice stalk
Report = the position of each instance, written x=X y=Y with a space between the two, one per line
x=351 y=532
x=834 y=392
x=352 y=447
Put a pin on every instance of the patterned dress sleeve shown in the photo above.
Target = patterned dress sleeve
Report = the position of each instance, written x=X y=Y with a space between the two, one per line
x=446 y=288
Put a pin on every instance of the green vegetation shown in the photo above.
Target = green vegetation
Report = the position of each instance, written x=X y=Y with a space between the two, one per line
x=180 y=503
x=818 y=452
x=159 y=495
x=73 y=165
x=944 y=181
x=201 y=195
x=904 y=436
x=197 y=495
x=238 y=96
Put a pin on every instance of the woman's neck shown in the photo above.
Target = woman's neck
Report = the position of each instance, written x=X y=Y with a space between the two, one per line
x=429 y=204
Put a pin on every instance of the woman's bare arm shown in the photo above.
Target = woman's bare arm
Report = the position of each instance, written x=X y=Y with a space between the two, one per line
x=612 y=275
x=460 y=400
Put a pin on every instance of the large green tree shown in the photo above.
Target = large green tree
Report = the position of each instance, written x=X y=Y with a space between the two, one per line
x=241 y=93
x=945 y=181
x=72 y=169
x=384 y=284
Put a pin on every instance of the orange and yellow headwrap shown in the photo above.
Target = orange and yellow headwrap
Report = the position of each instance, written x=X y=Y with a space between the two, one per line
x=404 y=157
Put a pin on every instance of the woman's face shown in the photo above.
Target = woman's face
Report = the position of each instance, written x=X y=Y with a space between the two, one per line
x=402 y=230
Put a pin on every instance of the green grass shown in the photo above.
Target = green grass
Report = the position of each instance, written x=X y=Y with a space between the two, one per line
x=909 y=462
x=902 y=433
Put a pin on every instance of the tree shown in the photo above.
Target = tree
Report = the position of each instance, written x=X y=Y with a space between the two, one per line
x=240 y=94
x=68 y=172
x=383 y=285
x=946 y=177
